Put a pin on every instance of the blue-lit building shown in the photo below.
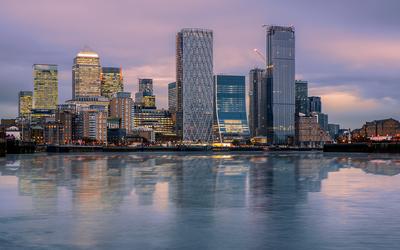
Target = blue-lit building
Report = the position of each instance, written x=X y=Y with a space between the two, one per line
x=230 y=116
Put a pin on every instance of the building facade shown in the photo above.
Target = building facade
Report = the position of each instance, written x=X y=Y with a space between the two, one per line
x=172 y=97
x=385 y=127
x=158 y=120
x=194 y=80
x=280 y=87
x=256 y=80
x=45 y=86
x=92 y=124
x=145 y=96
x=25 y=103
x=112 y=81
x=309 y=133
x=86 y=73
x=302 y=97
x=121 y=106
x=230 y=108
x=315 y=104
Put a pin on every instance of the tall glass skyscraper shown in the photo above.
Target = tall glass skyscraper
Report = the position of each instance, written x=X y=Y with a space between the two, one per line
x=86 y=73
x=194 y=80
x=302 y=97
x=280 y=84
x=45 y=86
x=256 y=80
x=112 y=81
x=230 y=108
x=24 y=103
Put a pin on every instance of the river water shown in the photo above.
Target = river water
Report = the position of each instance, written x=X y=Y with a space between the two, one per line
x=200 y=201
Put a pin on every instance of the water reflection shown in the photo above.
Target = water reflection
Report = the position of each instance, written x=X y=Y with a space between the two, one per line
x=170 y=193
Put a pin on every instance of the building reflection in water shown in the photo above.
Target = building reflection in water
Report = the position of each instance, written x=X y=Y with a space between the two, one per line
x=101 y=182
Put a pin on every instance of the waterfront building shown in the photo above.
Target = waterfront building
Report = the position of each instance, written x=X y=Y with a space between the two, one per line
x=66 y=116
x=194 y=81
x=333 y=130
x=160 y=121
x=111 y=81
x=121 y=106
x=302 y=97
x=309 y=133
x=315 y=104
x=86 y=73
x=45 y=86
x=172 y=97
x=280 y=87
x=53 y=133
x=146 y=133
x=24 y=103
x=385 y=127
x=116 y=136
x=92 y=124
x=257 y=80
x=230 y=108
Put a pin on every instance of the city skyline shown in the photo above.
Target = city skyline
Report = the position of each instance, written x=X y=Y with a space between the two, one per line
x=364 y=94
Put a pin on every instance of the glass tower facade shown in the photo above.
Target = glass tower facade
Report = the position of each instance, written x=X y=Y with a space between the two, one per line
x=230 y=108
x=302 y=97
x=256 y=80
x=112 y=81
x=280 y=86
x=194 y=80
x=24 y=103
x=315 y=104
x=45 y=86
x=86 y=73
x=172 y=97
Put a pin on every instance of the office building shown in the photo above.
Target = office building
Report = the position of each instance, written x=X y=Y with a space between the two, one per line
x=194 y=80
x=333 y=130
x=145 y=95
x=45 y=86
x=315 y=104
x=66 y=116
x=84 y=102
x=172 y=97
x=121 y=106
x=86 y=73
x=302 y=97
x=158 y=120
x=322 y=120
x=280 y=87
x=92 y=124
x=230 y=108
x=24 y=103
x=256 y=81
x=112 y=81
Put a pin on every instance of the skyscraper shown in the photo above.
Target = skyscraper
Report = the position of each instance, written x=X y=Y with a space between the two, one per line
x=315 y=104
x=172 y=97
x=280 y=87
x=24 y=103
x=121 y=106
x=145 y=95
x=45 y=86
x=86 y=73
x=230 y=108
x=256 y=80
x=111 y=81
x=194 y=80
x=301 y=97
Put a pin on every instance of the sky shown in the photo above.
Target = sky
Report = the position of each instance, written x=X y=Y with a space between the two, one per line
x=348 y=50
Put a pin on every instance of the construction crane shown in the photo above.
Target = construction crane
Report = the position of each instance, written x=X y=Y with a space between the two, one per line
x=260 y=55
